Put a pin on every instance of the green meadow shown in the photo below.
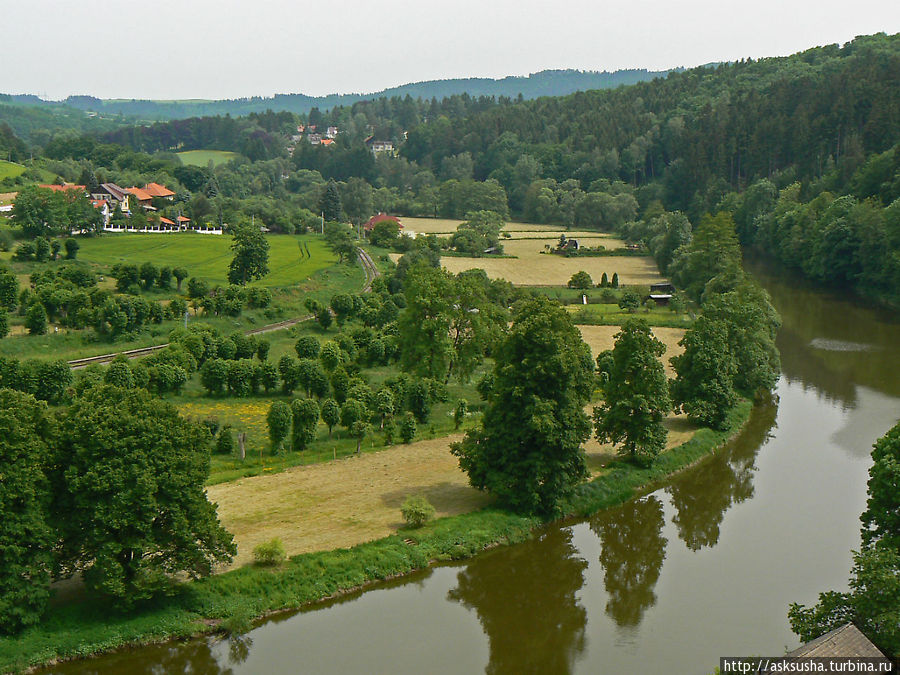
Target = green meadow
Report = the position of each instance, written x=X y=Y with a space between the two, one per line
x=10 y=170
x=206 y=256
x=202 y=157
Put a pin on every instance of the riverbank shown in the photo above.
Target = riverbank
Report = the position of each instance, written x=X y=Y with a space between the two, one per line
x=230 y=601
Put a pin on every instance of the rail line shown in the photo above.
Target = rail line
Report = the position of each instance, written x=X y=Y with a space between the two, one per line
x=365 y=260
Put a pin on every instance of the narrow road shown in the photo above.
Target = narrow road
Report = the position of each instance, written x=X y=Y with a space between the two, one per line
x=364 y=258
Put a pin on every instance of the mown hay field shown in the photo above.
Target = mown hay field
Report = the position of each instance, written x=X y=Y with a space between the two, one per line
x=10 y=169
x=601 y=338
x=207 y=256
x=536 y=269
x=345 y=502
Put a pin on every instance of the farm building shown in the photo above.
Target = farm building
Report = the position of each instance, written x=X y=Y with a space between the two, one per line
x=662 y=287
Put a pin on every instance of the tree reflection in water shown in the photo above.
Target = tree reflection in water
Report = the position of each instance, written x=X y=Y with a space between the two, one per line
x=632 y=554
x=526 y=602
x=703 y=495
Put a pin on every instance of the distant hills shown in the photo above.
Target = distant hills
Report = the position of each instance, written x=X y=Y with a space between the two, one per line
x=544 y=83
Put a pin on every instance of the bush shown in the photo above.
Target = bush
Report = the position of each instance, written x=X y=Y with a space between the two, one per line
x=581 y=280
x=416 y=510
x=271 y=553
x=408 y=428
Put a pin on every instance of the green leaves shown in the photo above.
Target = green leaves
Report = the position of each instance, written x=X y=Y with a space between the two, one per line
x=528 y=449
x=636 y=396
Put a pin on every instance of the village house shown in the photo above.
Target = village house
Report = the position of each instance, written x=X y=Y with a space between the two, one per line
x=381 y=218
x=331 y=133
x=114 y=195
x=378 y=147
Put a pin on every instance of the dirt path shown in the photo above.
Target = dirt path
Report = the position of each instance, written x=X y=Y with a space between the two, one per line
x=342 y=503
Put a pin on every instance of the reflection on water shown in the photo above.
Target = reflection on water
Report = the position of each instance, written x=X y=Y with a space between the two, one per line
x=704 y=566
x=632 y=556
x=527 y=604
x=702 y=496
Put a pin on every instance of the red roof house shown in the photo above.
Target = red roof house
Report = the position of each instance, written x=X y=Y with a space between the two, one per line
x=157 y=190
x=63 y=188
x=381 y=218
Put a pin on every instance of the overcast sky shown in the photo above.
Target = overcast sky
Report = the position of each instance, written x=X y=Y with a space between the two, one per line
x=228 y=48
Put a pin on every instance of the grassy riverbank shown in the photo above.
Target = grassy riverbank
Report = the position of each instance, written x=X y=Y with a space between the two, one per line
x=231 y=600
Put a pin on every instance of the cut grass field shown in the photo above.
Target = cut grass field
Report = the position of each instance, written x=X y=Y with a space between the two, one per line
x=10 y=169
x=202 y=157
x=208 y=256
x=528 y=247
x=343 y=503
x=449 y=225
x=606 y=314
x=601 y=338
x=537 y=269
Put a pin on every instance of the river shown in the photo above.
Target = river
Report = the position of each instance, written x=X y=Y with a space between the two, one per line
x=702 y=567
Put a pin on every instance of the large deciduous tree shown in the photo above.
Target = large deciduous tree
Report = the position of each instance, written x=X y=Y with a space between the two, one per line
x=636 y=396
x=528 y=448
x=704 y=385
x=129 y=485
x=251 y=256
x=26 y=536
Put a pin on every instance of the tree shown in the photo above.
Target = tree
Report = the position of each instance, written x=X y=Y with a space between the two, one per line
x=251 y=256
x=72 y=247
x=36 y=319
x=881 y=519
x=359 y=430
x=528 y=449
x=180 y=275
x=130 y=495
x=343 y=307
x=308 y=347
x=636 y=397
x=460 y=412
x=356 y=198
x=9 y=289
x=214 y=375
x=4 y=323
x=581 y=280
x=331 y=414
x=630 y=301
x=306 y=417
x=149 y=274
x=752 y=325
x=351 y=412
x=41 y=249
x=408 y=428
x=713 y=249
x=26 y=535
x=384 y=404
x=704 y=383
x=615 y=280
x=55 y=247
x=279 y=420
x=164 y=280
x=330 y=203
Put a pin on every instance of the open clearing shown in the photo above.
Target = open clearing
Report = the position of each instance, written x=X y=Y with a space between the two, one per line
x=536 y=269
x=202 y=157
x=10 y=169
x=207 y=256
x=345 y=502
x=7 y=198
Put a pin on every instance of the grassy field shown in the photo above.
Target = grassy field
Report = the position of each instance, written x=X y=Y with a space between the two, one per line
x=10 y=170
x=601 y=338
x=607 y=314
x=202 y=157
x=207 y=256
x=529 y=246
x=343 y=503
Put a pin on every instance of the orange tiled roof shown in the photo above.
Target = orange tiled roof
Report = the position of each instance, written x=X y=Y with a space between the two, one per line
x=182 y=219
x=165 y=221
x=142 y=195
x=327 y=141
x=98 y=203
x=157 y=190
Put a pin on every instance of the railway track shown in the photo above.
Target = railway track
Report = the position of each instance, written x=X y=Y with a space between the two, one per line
x=364 y=258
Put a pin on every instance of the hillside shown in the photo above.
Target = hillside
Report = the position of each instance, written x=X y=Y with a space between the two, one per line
x=544 y=83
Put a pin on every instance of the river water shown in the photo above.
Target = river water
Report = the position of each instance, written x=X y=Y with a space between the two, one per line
x=702 y=567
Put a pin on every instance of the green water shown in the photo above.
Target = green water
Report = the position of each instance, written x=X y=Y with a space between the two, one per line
x=703 y=567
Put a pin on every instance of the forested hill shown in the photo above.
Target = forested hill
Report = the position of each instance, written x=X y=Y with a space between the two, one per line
x=544 y=83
